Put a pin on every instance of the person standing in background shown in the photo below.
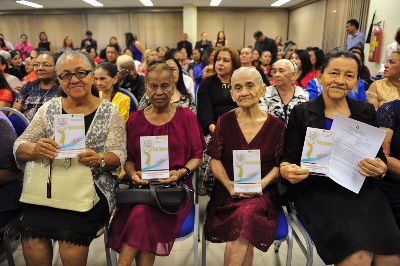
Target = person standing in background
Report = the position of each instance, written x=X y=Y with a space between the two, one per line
x=8 y=44
x=203 y=43
x=355 y=38
x=263 y=43
x=134 y=45
x=184 y=43
x=24 y=47
x=89 y=42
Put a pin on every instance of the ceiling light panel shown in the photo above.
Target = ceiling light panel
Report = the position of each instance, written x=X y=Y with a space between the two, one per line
x=215 y=2
x=280 y=2
x=93 y=3
x=30 y=4
x=146 y=2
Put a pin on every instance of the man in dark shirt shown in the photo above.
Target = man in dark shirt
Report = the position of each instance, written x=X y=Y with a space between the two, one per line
x=263 y=43
x=203 y=43
x=89 y=42
x=184 y=43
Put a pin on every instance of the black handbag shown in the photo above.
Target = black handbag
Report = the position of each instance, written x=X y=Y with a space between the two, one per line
x=167 y=197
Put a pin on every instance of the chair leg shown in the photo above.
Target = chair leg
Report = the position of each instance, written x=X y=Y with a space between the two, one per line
x=289 y=241
x=196 y=235
x=203 y=250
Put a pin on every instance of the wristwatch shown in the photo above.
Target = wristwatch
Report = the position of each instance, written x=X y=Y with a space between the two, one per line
x=188 y=172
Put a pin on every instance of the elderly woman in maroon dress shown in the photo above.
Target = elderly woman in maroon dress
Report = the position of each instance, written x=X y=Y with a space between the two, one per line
x=244 y=220
x=142 y=231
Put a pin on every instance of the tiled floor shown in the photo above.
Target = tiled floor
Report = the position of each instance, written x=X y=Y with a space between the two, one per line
x=182 y=253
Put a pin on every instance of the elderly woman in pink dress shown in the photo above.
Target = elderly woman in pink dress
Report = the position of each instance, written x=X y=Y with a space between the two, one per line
x=142 y=231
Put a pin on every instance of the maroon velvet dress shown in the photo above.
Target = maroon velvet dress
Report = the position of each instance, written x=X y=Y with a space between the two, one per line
x=253 y=219
x=144 y=227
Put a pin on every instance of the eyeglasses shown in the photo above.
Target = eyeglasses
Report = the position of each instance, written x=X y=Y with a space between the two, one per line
x=45 y=65
x=78 y=74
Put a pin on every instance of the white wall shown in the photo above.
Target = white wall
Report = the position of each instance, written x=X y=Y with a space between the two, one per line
x=389 y=11
x=306 y=24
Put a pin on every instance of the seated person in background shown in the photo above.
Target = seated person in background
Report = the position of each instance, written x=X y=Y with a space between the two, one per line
x=10 y=176
x=205 y=68
x=34 y=94
x=93 y=54
x=288 y=49
x=346 y=228
x=106 y=79
x=150 y=55
x=112 y=53
x=128 y=77
x=394 y=46
x=316 y=57
x=213 y=96
x=279 y=99
x=13 y=81
x=246 y=55
x=365 y=75
x=142 y=231
x=255 y=58
x=24 y=48
x=244 y=220
x=389 y=120
x=266 y=62
x=7 y=95
x=181 y=96
x=387 y=89
x=305 y=71
x=196 y=59
x=16 y=65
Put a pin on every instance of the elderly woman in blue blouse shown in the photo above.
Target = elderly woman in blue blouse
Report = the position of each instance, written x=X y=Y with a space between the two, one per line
x=105 y=151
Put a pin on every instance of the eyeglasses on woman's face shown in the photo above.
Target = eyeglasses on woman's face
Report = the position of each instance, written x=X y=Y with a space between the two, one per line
x=80 y=74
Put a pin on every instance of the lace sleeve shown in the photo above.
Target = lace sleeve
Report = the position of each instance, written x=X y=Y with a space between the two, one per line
x=387 y=115
x=214 y=149
x=116 y=139
x=35 y=131
x=144 y=102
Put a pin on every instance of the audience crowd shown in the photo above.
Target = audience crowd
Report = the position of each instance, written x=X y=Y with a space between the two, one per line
x=210 y=100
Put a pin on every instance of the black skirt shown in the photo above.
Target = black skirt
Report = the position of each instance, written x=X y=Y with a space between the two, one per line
x=341 y=222
x=78 y=228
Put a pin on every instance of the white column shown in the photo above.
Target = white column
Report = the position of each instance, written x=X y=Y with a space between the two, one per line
x=190 y=22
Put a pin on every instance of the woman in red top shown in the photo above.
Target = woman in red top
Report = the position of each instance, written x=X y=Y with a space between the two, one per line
x=305 y=71
x=7 y=95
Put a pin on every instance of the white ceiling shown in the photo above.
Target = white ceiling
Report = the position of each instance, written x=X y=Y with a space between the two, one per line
x=67 y=4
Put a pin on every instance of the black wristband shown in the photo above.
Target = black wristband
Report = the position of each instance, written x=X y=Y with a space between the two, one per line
x=188 y=172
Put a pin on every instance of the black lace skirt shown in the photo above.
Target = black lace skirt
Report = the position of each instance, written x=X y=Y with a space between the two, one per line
x=78 y=228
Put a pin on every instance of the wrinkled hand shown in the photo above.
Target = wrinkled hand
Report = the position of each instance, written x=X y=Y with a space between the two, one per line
x=137 y=179
x=372 y=167
x=294 y=173
x=45 y=148
x=174 y=176
x=89 y=158
x=230 y=187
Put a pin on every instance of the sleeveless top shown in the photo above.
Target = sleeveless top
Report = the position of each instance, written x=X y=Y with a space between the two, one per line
x=136 y=52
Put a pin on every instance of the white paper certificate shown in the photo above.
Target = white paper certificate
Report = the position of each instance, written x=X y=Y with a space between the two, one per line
x=154 y=157
x=316 y=150
x=247 y=171
x=69 y=133
x=353 y=141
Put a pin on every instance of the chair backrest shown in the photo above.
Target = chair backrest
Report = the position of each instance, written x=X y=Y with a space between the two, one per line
x=17 y=119
x=134 y=101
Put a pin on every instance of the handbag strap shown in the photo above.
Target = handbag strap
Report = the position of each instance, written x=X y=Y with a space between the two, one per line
x=153 y=194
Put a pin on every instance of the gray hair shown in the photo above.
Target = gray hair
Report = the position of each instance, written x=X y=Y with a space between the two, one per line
x=72 y=53
x=291 y=65
x=123 y=59
x=6 y=55
x=248 y=70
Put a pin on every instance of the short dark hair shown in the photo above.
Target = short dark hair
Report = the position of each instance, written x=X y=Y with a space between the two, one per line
x=340 y=52
x=306 y=66
x=397 y=36
x=353 y=22
x=88 y=32
x=257 y=34
x=115 y=47
x=319 y=55
x=49 y=54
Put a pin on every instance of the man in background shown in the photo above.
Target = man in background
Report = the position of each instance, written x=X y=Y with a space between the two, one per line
x=203 y=43
x=263 y=43
x=89 y=42
x=355 y=38
x=184 y=43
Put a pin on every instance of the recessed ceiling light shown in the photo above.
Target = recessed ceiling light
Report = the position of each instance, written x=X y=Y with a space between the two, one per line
x=94 y=3
x=147 y=2
x=30 y=4
x=279 y=2
x=215 y=2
